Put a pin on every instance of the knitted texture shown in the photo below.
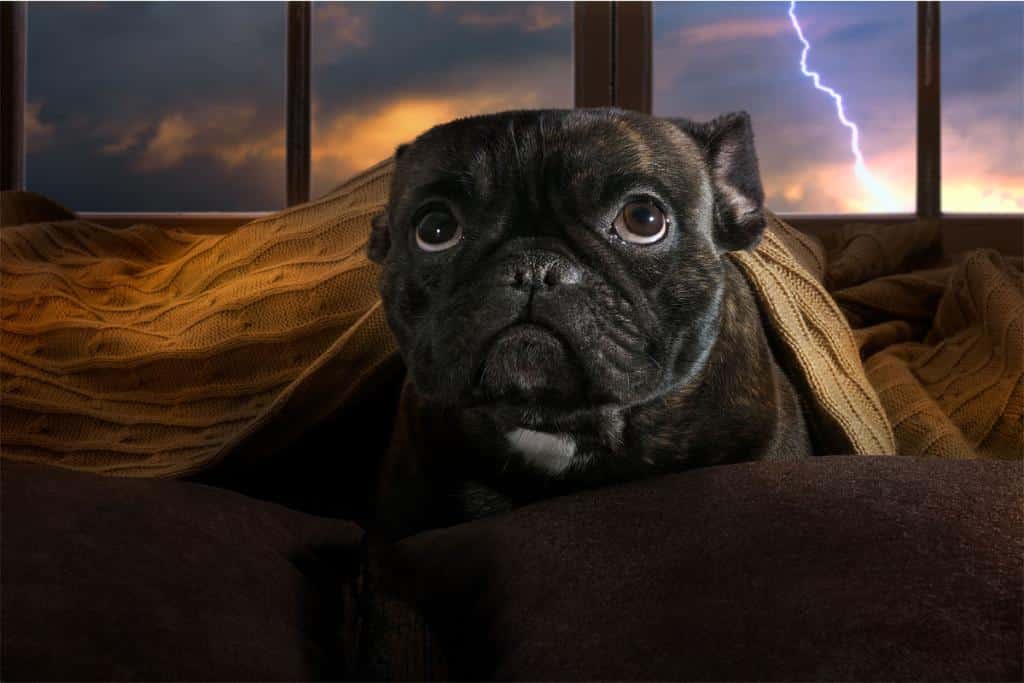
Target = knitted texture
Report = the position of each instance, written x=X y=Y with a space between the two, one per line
x=943 y=346
x=150 y=352
x=816 y=345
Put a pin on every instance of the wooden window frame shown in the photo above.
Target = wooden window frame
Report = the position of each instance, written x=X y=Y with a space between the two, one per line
x=12 y=95
x=613 y=66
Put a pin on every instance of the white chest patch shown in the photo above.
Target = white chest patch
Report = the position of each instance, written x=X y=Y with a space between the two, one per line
x=550 y=452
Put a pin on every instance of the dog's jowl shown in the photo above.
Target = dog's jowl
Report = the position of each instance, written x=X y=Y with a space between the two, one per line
x=558 y=286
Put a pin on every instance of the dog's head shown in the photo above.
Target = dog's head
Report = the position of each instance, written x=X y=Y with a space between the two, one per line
x=539 y=262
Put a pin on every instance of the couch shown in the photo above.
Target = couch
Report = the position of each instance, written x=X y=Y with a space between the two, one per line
x=191 y=426
x=841 y=568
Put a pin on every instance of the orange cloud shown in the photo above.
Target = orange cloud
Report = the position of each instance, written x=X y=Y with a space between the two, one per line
x=531 y=18
x=345 y=142
x=128 y=138
x=37 y=133
x=231 y=135
x=833 y=187
x=731 y=29
x=269 y=147
x=989 y=196
x=338 y=29
x=973 y=188
x=970 y=184
x=171 y=144
x=351 y=141
x=982 y=170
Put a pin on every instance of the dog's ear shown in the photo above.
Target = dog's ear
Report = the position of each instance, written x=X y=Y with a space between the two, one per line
x=728 y=146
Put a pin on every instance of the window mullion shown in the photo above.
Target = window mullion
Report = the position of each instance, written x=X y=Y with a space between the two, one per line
x=592 y=54
x=929 y=112
x=297 y=104
x=632 y=60
x=12 y=95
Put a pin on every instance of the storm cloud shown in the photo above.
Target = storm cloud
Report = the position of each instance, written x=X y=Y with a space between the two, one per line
x=180 y=106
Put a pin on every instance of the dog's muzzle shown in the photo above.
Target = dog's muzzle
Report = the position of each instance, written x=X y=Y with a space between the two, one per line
x=529 y=360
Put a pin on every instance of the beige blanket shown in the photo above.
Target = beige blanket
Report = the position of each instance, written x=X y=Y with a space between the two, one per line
x=148 y=352
x=153 y=353
x=943 y=345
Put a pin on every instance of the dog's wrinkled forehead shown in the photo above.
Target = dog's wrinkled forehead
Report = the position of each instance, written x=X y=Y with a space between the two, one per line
x=599 y=153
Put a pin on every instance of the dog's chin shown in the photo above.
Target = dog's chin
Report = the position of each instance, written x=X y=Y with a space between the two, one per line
x=529 y=375
x=530 y=366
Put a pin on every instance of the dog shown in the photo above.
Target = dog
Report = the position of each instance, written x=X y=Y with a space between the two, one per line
x=558 y=286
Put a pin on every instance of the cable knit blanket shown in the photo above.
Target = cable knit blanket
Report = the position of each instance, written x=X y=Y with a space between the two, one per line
x=159 y=353
x=943 y=345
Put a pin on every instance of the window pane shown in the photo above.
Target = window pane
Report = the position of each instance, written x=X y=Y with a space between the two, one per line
x=168 y=106
x=982 y=107
x=715 y=57
x=385 y=72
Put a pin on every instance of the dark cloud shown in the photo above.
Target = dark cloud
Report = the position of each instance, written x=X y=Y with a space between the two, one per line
x=109 y=77
x=982 y=48
x=155 y=54
x=473 y=55
x=867 y=52
x=179 y=106
x=417 y=49
x=106 y=79
x=859 y=33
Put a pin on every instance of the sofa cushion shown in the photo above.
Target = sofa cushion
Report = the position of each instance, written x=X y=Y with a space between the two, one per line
x=113 y=579
x=837 y=568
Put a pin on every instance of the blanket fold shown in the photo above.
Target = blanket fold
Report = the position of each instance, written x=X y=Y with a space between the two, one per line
x=159 y=353
x=944 y=348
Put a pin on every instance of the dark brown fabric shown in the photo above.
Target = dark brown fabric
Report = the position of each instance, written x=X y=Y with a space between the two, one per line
x=839 y=568
x=115 y=579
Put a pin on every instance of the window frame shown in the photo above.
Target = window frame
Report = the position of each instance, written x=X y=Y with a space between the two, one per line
x=605 y=73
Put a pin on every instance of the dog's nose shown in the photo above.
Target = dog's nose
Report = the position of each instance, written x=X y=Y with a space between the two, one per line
x=536 y=271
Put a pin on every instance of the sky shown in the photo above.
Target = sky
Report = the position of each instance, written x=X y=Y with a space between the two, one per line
x=180 y=106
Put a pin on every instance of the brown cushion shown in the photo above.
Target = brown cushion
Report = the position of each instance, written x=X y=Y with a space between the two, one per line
x=832 y=569
x=113 y=579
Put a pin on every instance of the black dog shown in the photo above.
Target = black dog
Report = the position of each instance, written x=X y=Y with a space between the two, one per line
x=557 y=284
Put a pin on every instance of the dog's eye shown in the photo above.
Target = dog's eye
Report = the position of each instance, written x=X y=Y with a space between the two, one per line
x=641 y=223
x=437 y=231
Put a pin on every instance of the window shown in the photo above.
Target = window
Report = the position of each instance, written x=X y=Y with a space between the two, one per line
x=983 y=107
x=358 y=78
x=711 y=58
x=385 y=72
x=123 y=114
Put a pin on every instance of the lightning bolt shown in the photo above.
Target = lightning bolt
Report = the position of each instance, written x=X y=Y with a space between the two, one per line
x=877 y=189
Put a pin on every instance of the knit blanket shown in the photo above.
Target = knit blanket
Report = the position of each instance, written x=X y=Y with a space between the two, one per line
x=942 y=343
x=160 y=353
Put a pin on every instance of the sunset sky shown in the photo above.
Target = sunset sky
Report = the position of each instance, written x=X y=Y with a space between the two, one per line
x=179 y=106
